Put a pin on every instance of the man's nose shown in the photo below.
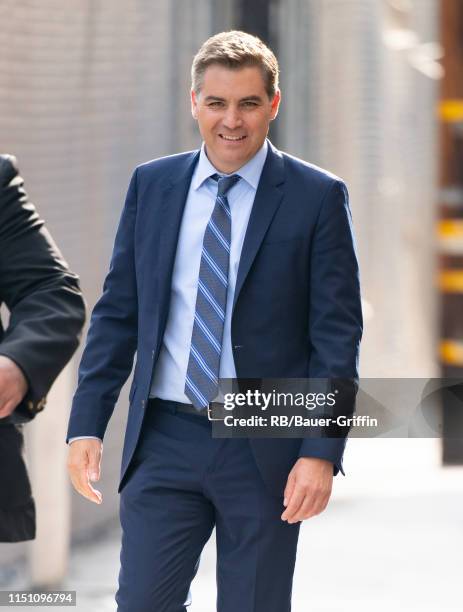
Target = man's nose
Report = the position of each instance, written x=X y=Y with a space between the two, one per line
x=232 y=118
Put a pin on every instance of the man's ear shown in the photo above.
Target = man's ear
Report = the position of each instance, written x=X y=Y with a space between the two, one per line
x=276 y=104
x=194 y=104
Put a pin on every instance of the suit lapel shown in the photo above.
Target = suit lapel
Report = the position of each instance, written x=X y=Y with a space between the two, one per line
x=268 y=198
x=173 y=203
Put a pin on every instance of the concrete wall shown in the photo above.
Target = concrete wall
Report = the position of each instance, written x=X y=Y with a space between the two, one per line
x=89 y=89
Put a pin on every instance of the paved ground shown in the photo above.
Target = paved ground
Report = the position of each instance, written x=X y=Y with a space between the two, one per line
x=391 y=539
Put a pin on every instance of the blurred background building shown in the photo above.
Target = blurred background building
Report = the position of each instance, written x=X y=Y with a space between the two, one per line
x=91 y=88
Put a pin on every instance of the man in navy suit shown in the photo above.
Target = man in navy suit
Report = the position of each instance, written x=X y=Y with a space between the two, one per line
x=234 y=261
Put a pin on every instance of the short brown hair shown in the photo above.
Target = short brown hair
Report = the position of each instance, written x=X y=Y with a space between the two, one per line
x=235 y=50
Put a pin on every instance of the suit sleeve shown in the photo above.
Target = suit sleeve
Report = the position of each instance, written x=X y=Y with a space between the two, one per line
x=112 y=338
x=335 y=316
x=46 y=307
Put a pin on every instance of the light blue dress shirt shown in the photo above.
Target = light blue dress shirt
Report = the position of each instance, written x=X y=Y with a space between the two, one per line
x=170 y=372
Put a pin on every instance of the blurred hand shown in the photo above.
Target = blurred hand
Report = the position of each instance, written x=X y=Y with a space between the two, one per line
x=13 y=386
x=84 y=459
x=308 y=489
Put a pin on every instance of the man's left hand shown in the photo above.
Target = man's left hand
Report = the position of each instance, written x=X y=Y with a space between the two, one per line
x=308 y=489
x=13 y=386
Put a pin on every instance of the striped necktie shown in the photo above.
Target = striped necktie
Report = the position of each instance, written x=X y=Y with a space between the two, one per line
x=202 y=378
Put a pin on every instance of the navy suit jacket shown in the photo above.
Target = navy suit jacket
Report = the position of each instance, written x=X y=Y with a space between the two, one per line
x=296 y=311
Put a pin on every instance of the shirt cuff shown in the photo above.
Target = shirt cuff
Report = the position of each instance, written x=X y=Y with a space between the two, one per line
x=71 y=440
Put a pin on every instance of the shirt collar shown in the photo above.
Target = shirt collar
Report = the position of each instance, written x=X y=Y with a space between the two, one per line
x=250 y=172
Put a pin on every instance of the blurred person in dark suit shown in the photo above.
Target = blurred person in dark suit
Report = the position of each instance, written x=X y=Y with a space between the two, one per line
x=47 y=313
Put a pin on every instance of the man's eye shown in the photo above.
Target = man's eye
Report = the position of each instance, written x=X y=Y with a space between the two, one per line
x=250 y=104
x=214 y=104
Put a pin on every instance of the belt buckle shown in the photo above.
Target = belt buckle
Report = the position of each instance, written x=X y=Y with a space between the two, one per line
x=209 y=412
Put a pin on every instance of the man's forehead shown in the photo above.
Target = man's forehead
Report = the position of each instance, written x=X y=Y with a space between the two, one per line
x=216 y=74
x=234 y=86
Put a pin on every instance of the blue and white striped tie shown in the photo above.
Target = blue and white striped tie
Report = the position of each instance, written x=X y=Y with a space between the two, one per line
x=202 y=378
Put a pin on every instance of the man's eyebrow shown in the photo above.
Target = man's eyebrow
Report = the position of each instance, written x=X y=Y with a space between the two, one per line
x=246 y=99
x=251 y=99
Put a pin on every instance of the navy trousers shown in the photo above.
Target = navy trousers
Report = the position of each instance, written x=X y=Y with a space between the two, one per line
x=182 y=483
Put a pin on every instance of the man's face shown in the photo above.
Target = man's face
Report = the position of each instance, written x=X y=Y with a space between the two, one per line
x=233 y=111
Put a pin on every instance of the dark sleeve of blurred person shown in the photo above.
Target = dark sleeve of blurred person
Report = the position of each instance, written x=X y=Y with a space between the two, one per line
x=47 y=313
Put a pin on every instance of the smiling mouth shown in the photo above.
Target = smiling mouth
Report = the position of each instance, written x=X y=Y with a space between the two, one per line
x=232 y=138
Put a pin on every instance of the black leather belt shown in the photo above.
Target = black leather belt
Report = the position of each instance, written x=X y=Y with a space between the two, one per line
x=214 y=412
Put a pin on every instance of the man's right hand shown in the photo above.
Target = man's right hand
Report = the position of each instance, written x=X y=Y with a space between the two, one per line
x=84 y=461
x=13 y=386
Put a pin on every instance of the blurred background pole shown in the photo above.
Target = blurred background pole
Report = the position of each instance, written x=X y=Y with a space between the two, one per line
x=262 y=21
x=450 y=226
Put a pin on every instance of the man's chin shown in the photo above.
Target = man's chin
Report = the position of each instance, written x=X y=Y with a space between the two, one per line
x=234 y=162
